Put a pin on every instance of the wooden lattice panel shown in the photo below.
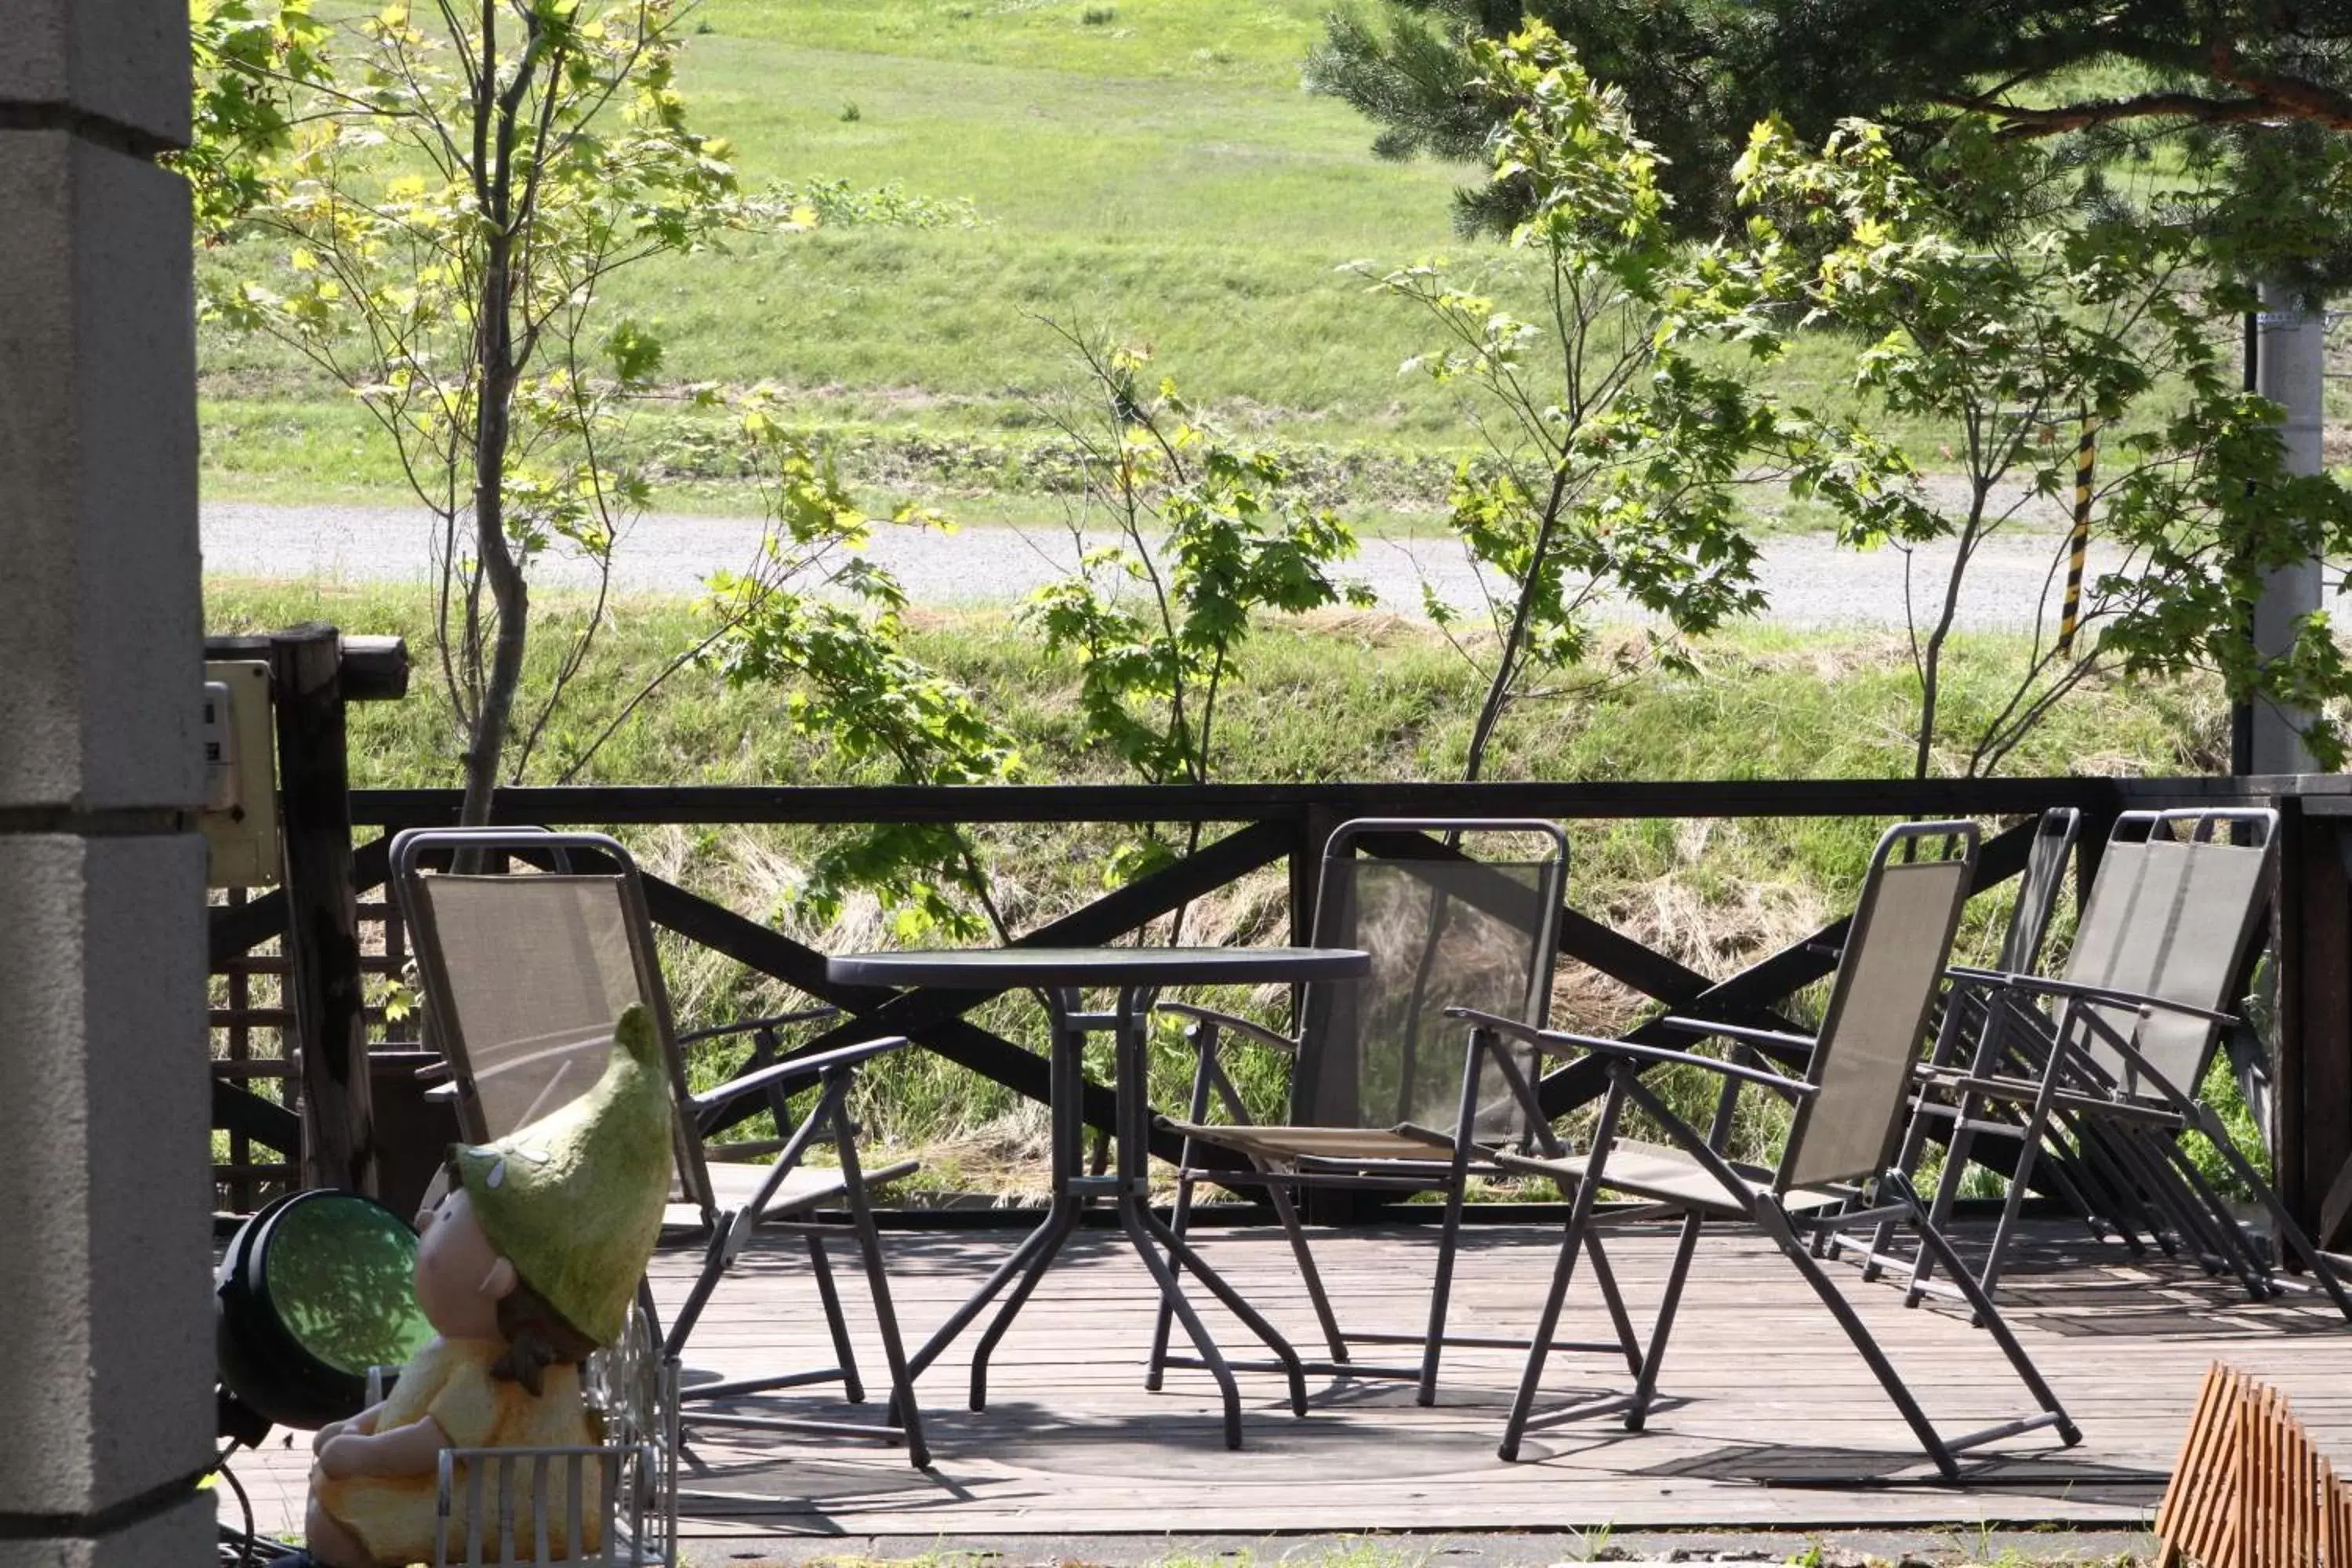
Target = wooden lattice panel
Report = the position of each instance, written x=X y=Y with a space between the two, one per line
x=2250 y=1490
x=254 y=1046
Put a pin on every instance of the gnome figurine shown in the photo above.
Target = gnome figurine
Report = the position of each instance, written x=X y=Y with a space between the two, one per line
x=527 y=1265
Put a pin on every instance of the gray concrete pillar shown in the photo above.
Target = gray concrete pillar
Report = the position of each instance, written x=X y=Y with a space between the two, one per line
x=105 y=1247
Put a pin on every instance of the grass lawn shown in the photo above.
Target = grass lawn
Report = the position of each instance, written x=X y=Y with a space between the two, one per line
x=1160 y=174
x=1155 y=171
x=1152 y=169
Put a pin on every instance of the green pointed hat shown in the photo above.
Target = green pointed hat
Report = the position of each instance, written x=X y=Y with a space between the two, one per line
x=575 y=1199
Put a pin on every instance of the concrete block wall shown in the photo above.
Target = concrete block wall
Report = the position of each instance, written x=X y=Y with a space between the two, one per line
x=105 y=1247
x=98 y=464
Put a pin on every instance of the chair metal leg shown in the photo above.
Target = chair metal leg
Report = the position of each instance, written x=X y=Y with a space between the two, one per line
x=1618 y=1319
x=1441 y=1291
x=2029 y=1145
x=1948 y=1031
x=1987 y=1314
x=1645 y=1378
x=2197 y=1203
x=1775 y=1223
x=1948 y=1192
x=2288 y=1231
x=1182 y=1256
x=844 y=1356
x=1285 y=1211
x=1547 y=1323
x=1162 y=1319
x=714 y=1264
x=2180 y=1220
x=2123 y=1207
x=1571 y=1242
x=1914 y=1144
x=2061 y=1173
x=1968 y=1109
x=1457 y=1182
x=904 y=1413
x=2085 y=1187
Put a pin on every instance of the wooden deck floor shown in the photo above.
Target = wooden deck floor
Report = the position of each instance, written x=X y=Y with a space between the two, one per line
x=1768 y=1419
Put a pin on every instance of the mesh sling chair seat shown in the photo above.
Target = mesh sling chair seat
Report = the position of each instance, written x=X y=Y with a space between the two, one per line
x=2101 y=1065
x=1832 y=1173
x=1377 y=1068
x=1967 y=1031
x=524 y=974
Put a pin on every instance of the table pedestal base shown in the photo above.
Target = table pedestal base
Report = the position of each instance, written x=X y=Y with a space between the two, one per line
x=1162 y=1251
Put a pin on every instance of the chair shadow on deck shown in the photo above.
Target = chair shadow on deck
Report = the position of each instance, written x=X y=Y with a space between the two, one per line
x=1795 y=1465
x=2074 y=1285
x=1070 y=1432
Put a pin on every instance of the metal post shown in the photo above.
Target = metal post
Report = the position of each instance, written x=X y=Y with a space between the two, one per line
x=2290 y=364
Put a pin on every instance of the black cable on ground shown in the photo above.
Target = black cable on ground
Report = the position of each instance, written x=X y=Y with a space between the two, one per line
x=246 y=1546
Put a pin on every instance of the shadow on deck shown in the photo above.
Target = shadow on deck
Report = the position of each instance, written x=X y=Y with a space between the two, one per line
x=1768 y=1419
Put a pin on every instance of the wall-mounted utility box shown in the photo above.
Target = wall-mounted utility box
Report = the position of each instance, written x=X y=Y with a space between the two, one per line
x=240 y=816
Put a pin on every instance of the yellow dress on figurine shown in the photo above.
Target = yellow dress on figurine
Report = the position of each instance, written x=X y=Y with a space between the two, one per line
x=525 y=1267
x=450 y=1381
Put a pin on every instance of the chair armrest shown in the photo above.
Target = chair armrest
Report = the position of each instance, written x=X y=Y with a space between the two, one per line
x=1257 y=1033
x=2078 y=991
x=441 y=1094
x=1568 y=1048
x=1738 y=1032
x=799 y=1070
x=748 y=1025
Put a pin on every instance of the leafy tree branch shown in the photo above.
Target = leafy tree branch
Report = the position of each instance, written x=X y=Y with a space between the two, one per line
x=1613 y=457
x=1181 y=541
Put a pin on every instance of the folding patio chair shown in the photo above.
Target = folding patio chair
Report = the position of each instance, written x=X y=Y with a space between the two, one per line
x=1965 y=1031
x=2114 y=1066
x=1833 y=1173
x=1377 y=1069
x=524 y=973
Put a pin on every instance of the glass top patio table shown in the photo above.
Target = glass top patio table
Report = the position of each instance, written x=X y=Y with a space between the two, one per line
x=1061 y=974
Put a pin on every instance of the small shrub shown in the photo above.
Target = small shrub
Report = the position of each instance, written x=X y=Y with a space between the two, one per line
x=1098 y=16
x=836 y=203
x=849 y=111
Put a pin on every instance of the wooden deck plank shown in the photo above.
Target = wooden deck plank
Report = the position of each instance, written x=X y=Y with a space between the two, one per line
x=1767 y=1419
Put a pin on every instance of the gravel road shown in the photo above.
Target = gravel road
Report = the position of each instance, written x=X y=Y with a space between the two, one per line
x=1811 y=582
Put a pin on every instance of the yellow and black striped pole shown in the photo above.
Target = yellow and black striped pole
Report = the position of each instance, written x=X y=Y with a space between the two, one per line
x=2086 y=462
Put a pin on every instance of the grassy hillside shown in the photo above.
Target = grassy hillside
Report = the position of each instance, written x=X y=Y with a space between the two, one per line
x=1151 y=170
x=1156 y=169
